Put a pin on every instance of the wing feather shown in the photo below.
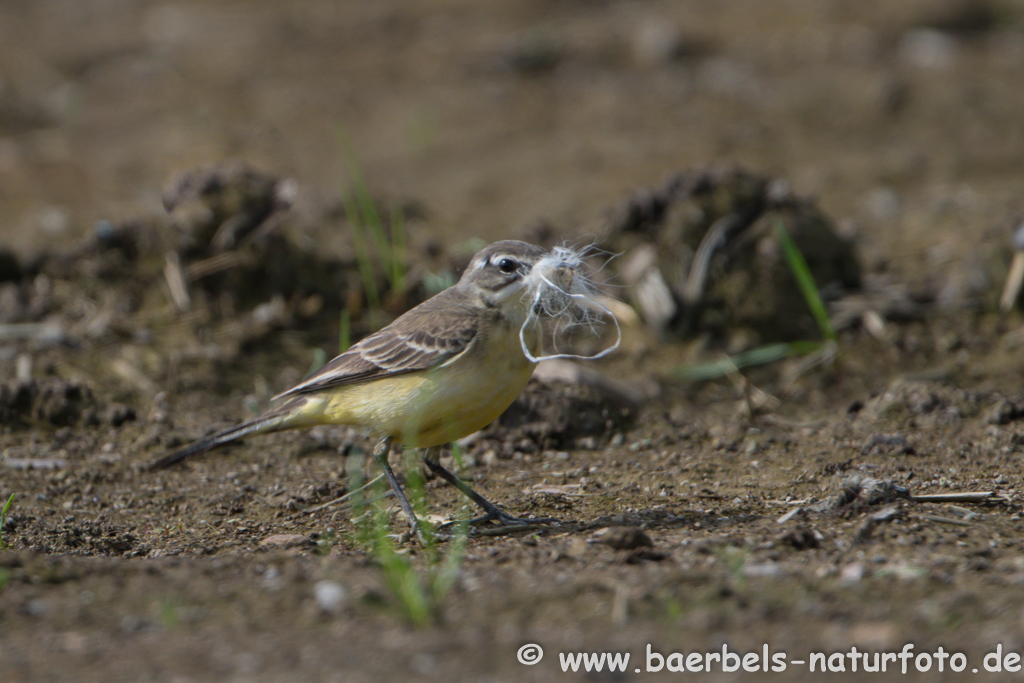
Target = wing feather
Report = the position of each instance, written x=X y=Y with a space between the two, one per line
x=429 y=335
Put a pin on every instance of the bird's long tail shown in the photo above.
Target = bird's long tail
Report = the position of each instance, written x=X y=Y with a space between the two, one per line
x=287 y=416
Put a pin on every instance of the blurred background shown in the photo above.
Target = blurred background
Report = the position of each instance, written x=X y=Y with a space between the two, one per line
x=902 y=119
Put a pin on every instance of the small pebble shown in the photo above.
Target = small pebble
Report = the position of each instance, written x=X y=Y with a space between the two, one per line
x=852 y=573
x=623 y=538
x=330 y=596
x=762 y=569
x=283 y=541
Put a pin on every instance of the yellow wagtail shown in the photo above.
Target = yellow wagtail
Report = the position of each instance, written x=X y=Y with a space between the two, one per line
x=441 y=371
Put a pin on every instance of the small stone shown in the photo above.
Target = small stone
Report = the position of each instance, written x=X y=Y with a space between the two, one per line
x=852 y=573
x=272 y=579
x=330 y=596
x=762 y=570
x=36 y=608
x=887 y=444
x=623 y=538
x=53 y=220
x=641 y=445
x=882 y=203
x=927 y=48
x=577 y=549
x=903 y=571
x=285 y=541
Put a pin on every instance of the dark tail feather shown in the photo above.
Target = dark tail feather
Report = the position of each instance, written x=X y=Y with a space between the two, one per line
x=263 y=423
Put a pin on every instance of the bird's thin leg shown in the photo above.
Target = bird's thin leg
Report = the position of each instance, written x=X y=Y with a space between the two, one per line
x=491 y=511
x=380 y=454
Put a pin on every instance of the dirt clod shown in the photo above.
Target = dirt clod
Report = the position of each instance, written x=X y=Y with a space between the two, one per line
x=701 y=252
x=802 y=538
x=887 y=443
x=556 y=415
x=60 y=403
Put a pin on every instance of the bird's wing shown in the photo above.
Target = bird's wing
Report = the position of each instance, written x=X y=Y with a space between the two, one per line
x=431 y=334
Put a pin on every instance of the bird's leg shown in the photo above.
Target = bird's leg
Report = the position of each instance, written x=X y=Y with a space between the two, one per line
x=380 y=454
x=492 y=512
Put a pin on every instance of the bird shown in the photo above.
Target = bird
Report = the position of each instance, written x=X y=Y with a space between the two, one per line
x=441 y=371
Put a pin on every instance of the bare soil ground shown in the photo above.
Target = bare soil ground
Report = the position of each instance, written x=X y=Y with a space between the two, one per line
x=776 y=508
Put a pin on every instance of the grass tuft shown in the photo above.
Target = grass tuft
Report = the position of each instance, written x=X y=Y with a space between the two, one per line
x=3 y=520
x=417 y=593
x=368 y=229
x=762 y=355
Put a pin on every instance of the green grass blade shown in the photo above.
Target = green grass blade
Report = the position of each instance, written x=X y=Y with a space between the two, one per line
x=762 y=355
x=805 y=280
x=457 y=455
x=451 y=565
x=771 y=353
x=368 y=229
x=365 y=263
x=3 y=520
x=403 y=581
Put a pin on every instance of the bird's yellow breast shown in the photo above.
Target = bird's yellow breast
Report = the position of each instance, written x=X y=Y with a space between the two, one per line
x=432 y=407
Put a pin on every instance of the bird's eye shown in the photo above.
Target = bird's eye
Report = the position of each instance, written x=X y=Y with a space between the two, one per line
x=507 y=265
